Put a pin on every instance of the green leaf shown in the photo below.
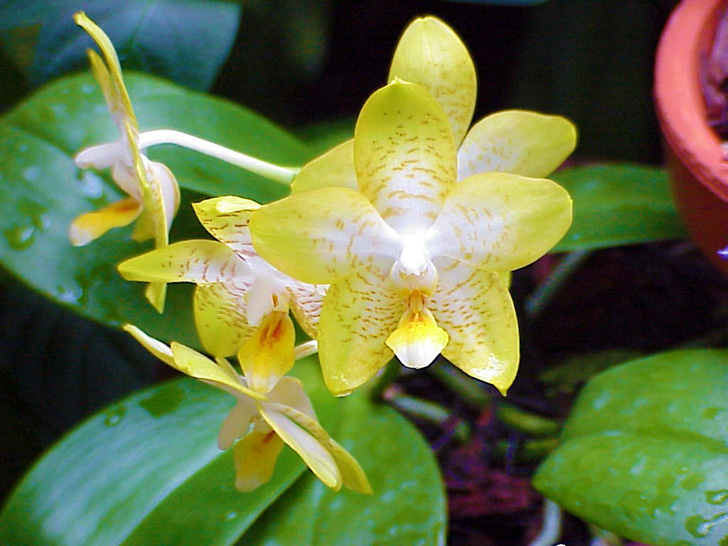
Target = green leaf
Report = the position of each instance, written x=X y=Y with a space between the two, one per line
x=186 y=42
x=43 y=190
x=108 y=478
x=147 y=471
x=618 y=204
x=408 y=505
x=644 y=453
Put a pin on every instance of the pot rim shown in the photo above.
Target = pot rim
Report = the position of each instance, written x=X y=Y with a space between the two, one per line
x=679 y=101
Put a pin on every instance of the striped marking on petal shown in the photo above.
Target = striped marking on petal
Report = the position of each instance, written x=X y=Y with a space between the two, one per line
x=220 y=317
x=319 y=235
x=431 y=54
x=358 y=315
x=200 y=261
x=476 y=310
x=500 y=221
x=306 y=301
x=226 y=218
x=405 y=155
x=518 y=142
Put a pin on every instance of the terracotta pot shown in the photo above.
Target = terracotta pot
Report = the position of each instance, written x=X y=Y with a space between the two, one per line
x=696 y=161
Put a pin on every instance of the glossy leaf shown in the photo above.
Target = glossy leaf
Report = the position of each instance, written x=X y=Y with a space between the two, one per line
x=408 y=504
x=186 y=42
x=147 y=471
x=618 y=204
x=43 y=190
x=644 y=453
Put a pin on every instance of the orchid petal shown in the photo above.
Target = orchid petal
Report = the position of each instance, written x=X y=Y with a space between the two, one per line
x=404 y=154
x=476 y=310
x=237 y=423
x=352 y=474
x=154 y=346
x=255 y=459
x=333 y=168
x=315 y=455
x=319 y=235
x=429 y=53
x=306 y=301
x=200 y=261
x=268 y=354
x=91 y=225
x=220 y=317
x=108 y=73
x=103 y=156
x=418 y=339
x=358 y=315
x=289 y=392
x=194 y=364
x=500 y=221
x=226 y=218
x=518 y=142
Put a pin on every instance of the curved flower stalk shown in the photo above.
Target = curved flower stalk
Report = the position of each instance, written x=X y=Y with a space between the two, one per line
x=429 y=53
x=241 y=303
x=413 y=255
x=153 y=193
x=262 y=422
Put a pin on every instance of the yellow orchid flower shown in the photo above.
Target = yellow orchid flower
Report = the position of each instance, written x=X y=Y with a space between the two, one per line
x=429 y=53
x=413 y=256
x=262 y=422
x=153 y=193
x=241 y=303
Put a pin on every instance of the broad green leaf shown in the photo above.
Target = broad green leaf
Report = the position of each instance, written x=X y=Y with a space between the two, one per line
x=186 y=42
x=43 y=190
x=618 y=204
x=146 y=471
x=408 y=504
x=644 y=453
x=106 y=479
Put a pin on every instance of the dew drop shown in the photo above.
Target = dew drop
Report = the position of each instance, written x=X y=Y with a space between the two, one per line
x=717 y=496
x=699 y=526
x=114 y=416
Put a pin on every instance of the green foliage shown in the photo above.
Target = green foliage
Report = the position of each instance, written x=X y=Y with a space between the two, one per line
x=645 y=451
x=186 y=42
x=618 y=204
x=147 y=471
x=43 y=190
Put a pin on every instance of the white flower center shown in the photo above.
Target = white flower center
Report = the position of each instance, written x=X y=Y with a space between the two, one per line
x=413 y=269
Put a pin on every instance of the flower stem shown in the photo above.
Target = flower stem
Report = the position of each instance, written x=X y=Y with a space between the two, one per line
x=428 y=411
x=526 y=422
x=306 y=349
x=470 y=391
x=551 y=529
x=543 y=295
x=283 y=175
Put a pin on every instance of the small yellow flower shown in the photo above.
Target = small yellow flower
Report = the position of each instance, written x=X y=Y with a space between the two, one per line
x=152 y=189
x=262 y=422
x=241 y=303
x=414 y=255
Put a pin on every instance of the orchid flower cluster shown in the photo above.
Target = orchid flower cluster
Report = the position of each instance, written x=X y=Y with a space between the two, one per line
x=396 y=243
